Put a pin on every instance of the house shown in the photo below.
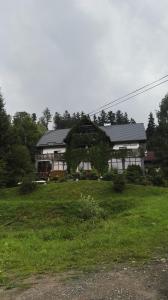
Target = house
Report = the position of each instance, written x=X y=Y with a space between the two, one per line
x=128 y=138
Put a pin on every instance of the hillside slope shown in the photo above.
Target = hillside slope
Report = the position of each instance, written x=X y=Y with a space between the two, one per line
x=56 y=229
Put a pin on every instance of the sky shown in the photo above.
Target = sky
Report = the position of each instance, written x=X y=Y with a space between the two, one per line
x=79 y=54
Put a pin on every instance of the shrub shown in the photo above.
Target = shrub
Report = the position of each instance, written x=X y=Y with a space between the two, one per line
x=134 y=174
x=109 y=176
x=119 y=183
x=146 y=180
x=27 y=186
x=158 y=180
x=82 y=175
x=88 y=208
x=92 y=175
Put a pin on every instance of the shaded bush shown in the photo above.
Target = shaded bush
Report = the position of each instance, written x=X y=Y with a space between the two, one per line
x=109 y=176
x=134 y=174
x=119 y=183
x=84 y=175
x=158 y=180
x=92 y=175
x=146 y=180
x=27 y=186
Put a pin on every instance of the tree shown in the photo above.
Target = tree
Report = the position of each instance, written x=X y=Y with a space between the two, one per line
x=102 y=118
x=46 y=118
x=5 y=129
x=132 y=121
x=151 y=126
x=150 y=132
x=26 y=131
x=119 y=117
x=34 y=117
x=162 y=114
x=161 y=136
x=18 y=164
x=111 y=117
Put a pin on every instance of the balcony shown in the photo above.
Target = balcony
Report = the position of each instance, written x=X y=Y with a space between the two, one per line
x=50 y=156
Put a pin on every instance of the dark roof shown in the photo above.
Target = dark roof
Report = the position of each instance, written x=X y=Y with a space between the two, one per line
x=126 y=132
x=117 y=133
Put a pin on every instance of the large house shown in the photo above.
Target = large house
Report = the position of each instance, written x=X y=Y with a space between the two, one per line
x=130 y=137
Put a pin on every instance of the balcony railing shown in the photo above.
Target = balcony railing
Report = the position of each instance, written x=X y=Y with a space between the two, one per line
x=50 y=156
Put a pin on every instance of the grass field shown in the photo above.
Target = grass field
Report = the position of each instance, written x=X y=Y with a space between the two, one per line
x=45 y=232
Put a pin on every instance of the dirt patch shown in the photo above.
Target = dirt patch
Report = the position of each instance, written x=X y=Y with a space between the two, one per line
x=149 y=282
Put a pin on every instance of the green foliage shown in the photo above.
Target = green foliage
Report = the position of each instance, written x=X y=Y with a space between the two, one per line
x=119 y=183
x=26 y=131
x=161 y=136
x=3 y=173
x=28 y=185
x=88 y=208
x=150 y=132
x=158 y=180
x=134 y=174
x=18 y=164
x=46 y=118
x=5 y=130
x=86 y=142
x=109 y=176
x=90 y=175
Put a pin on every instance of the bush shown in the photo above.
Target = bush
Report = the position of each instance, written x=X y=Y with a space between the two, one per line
x=158 y=180
x=109 y=176
x=88 y=208
x=27 y=186
x=146 y=180
x=92 y=175
x=134 y=174
x=119 y=183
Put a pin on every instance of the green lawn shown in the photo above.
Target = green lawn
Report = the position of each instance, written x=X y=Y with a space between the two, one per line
x=44 y=232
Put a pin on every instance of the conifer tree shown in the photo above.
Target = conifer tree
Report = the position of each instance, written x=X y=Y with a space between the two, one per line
x=4 y=129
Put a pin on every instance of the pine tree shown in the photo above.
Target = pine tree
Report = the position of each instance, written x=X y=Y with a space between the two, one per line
x=151 y=126
x=111 y=117
x=119 y=117
x=161 y=137
x=46 y=118
x=151 y=132
x=102 y=118
x=5 y=129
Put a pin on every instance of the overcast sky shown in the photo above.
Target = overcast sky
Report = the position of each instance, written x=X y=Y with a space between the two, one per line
x=78 y=54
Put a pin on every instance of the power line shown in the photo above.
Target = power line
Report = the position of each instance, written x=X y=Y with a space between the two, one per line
x=112 y=105
x=120 y=98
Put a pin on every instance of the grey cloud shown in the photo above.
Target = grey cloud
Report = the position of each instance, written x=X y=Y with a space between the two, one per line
x=77 y=54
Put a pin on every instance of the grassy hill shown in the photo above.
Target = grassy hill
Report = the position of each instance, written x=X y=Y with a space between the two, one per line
x=55 y=229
